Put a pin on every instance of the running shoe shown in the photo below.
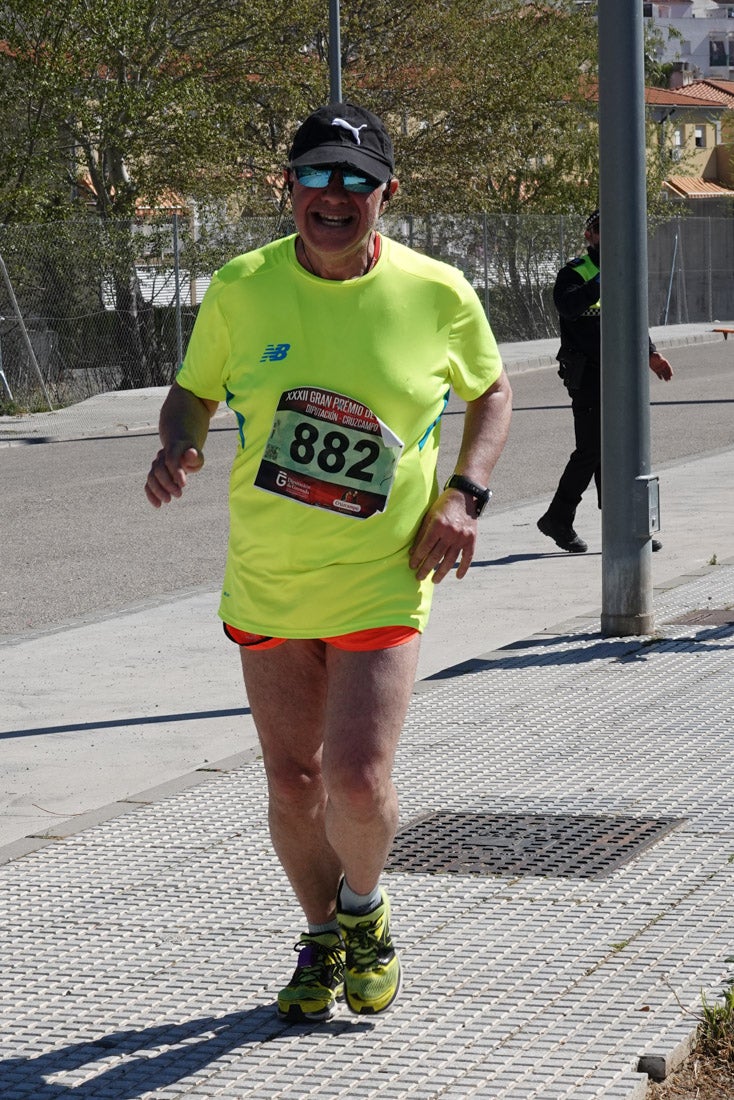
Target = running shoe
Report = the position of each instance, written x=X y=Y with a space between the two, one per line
x=318 y=980
x=372 y=976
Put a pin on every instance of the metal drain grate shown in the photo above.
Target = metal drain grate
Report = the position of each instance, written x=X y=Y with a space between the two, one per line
x=708 y=616
x=557 y=845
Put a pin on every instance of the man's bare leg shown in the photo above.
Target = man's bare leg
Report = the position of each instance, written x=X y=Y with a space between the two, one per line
x=368 y=697
x=329 y=723
x=286 y=690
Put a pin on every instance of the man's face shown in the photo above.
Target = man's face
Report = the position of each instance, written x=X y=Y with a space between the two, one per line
x=592 y=235
x=333 y=221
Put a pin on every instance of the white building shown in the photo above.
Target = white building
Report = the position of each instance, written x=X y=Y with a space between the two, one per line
x=703 y=45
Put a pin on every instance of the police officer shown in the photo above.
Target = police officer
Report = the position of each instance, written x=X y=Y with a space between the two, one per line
x=576 y=295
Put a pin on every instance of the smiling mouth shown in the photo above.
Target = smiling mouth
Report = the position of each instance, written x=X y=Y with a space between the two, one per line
x=333 y=222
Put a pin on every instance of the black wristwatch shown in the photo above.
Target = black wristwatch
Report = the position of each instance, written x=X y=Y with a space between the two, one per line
x=481 y=496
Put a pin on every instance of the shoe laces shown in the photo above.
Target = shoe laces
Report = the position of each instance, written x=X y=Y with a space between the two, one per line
x=363 y=943
x=313 y=957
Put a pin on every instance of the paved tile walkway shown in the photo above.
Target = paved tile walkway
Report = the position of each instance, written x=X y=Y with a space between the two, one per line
x=593 y=903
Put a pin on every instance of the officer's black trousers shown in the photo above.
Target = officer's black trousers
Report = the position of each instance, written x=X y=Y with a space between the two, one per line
x=583 y=465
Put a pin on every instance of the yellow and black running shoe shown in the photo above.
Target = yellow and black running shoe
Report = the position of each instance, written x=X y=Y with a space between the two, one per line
x=318 y=980
x=372 y=977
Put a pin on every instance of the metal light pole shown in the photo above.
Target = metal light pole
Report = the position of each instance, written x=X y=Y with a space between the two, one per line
x=335 y=53
x=629 y=492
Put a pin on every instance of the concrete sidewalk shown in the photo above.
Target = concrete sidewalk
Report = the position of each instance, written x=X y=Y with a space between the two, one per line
x=96 y=712
x=95 y=740
x=561 y=883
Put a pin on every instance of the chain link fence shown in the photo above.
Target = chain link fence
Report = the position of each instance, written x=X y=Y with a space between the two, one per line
x=88 y=307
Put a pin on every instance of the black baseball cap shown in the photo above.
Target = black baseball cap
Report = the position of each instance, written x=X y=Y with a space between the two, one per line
x=592 y=222
x=346 y=136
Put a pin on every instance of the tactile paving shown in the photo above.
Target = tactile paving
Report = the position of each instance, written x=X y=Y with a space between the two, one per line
x=141 y=958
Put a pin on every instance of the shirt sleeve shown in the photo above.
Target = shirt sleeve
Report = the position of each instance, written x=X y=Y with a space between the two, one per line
x=204 y=369
x=475 y=363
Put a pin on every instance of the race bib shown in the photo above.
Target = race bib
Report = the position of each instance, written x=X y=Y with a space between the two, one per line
x=329 y=451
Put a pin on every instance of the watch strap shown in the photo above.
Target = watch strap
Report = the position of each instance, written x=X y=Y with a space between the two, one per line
x=481 y=494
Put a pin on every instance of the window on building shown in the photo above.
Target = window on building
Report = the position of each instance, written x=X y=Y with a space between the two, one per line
x=676 y=151
x=700 y=137
x=717 y=52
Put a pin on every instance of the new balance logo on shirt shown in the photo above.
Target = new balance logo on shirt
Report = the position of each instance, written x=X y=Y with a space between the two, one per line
x=274 y=353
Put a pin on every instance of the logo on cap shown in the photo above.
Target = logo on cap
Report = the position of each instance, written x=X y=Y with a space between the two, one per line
x=354 y=130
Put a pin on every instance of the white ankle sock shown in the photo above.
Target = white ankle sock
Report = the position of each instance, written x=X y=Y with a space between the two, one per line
x=350 y=902
x=320 y=929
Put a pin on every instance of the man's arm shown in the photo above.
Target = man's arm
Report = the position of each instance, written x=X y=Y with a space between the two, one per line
x=183 y=428
x=449 y=528
x=571 y=295
x=660 y=366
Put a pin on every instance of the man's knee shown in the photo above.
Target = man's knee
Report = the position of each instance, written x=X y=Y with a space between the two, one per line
x=359 y=787
x=293 y=784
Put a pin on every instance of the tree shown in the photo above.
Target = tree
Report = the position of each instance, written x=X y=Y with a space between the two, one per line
x=107 y=105
x=495 y=115
x=140 y=97
x=111 y=103
x=137 y=97
x=493 y=103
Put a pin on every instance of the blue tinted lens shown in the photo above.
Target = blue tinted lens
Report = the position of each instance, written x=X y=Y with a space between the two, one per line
x=361 y=184
x=313 y=177
x=319 y=177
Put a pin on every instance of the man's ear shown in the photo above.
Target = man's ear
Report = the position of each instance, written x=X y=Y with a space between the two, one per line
x=288 y=175
x=390 y=188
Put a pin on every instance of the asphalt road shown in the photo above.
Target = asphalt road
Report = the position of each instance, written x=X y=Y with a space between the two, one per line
x=78 y=540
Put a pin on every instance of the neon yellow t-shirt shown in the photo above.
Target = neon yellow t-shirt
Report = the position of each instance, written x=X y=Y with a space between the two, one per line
x=338 y=390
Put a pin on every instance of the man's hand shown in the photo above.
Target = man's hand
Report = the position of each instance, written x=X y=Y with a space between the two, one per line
x=661 y=367
x=167 y=476
x=183 y=428
x=448 y=533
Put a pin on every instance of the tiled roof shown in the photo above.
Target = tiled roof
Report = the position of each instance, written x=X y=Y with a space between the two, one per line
x=696 y=187
x=669 y=97
x=701 y=93
x=715 y=91
x=167 y=201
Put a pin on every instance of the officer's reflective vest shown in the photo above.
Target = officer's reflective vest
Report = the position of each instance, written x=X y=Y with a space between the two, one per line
x=587 y=269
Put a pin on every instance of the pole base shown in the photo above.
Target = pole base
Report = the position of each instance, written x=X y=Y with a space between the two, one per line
x=623 y=626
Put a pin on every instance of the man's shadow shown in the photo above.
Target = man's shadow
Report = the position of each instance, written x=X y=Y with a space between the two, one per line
x=191 y=1047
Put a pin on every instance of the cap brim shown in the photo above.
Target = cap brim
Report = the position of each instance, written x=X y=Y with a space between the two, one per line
x=343 y=156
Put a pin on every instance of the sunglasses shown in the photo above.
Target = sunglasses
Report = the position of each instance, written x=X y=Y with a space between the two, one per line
x=321 y=177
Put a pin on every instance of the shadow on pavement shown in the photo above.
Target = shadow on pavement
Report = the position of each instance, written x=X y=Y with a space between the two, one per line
x=191 y=1046
x=559 y=649
x=114 y=723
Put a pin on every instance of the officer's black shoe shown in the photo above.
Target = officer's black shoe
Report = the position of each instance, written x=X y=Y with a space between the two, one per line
x=656 y=545
x=562 y=535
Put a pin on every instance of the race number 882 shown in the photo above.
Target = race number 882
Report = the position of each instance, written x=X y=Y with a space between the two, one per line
x=331 y=451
